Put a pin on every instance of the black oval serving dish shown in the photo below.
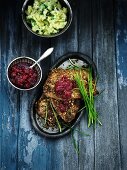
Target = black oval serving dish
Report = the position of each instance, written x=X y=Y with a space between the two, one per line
x=63 y=62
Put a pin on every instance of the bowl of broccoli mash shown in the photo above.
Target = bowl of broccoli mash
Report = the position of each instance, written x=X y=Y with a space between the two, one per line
x=47 y=18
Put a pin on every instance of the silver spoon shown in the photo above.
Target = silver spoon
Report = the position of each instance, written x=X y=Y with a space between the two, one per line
x=44 y=55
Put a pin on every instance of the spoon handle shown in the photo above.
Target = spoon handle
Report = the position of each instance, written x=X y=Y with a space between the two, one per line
x=44 y=55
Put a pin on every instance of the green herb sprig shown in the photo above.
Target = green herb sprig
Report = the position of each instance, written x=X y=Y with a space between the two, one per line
x=55 y=115
x=88 y=97
x=46 y=114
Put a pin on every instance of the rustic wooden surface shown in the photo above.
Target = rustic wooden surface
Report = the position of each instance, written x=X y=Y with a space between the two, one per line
x=99 y=29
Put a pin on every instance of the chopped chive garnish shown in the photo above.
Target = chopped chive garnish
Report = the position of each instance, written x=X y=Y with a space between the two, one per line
x=81 y=132
x=55 y=115
x=82 y=109
x=75 y=144
x=46 y=113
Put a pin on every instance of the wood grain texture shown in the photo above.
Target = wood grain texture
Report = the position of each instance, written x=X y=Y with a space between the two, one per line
x=107 y=149
x=0 y=121
x=121 y=46
x=92 y=32
x=9 y=96
x=86 y=143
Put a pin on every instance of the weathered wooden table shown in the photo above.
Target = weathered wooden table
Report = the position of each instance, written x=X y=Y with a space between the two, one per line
x=99 y=29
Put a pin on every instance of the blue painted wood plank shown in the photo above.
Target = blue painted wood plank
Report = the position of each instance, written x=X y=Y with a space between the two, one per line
x=121 y=51
x=0 y=95
x=9 y=115
x=29 y=142
x=86 y=143
x=107 y=147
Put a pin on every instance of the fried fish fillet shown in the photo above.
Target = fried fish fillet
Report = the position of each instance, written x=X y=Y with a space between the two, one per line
x=43 y=106
x=68 y=115
x=66 y=111
x=56 y=74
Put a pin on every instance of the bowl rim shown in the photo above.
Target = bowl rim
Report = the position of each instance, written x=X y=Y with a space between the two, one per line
x=29 y=58
x=48 y=36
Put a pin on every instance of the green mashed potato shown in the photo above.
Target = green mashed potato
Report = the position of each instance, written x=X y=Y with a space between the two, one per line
x=46 y=17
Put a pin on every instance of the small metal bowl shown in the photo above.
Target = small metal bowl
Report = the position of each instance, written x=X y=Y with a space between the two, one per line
x=64 y=3
x=26 y=60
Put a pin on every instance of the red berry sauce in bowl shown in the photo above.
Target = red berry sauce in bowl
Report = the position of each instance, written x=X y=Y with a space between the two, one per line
x=21 y=76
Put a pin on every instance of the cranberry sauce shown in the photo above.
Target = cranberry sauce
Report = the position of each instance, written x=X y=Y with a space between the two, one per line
x=63 y=105
x=63 y=89
x=22 y=76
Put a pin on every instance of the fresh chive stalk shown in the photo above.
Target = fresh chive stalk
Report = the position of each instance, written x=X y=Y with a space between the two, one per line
x=75 y=144
x=82 y=109
x=58 y=123
x=46 y=113
x=82 y=133
x=88 y=97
